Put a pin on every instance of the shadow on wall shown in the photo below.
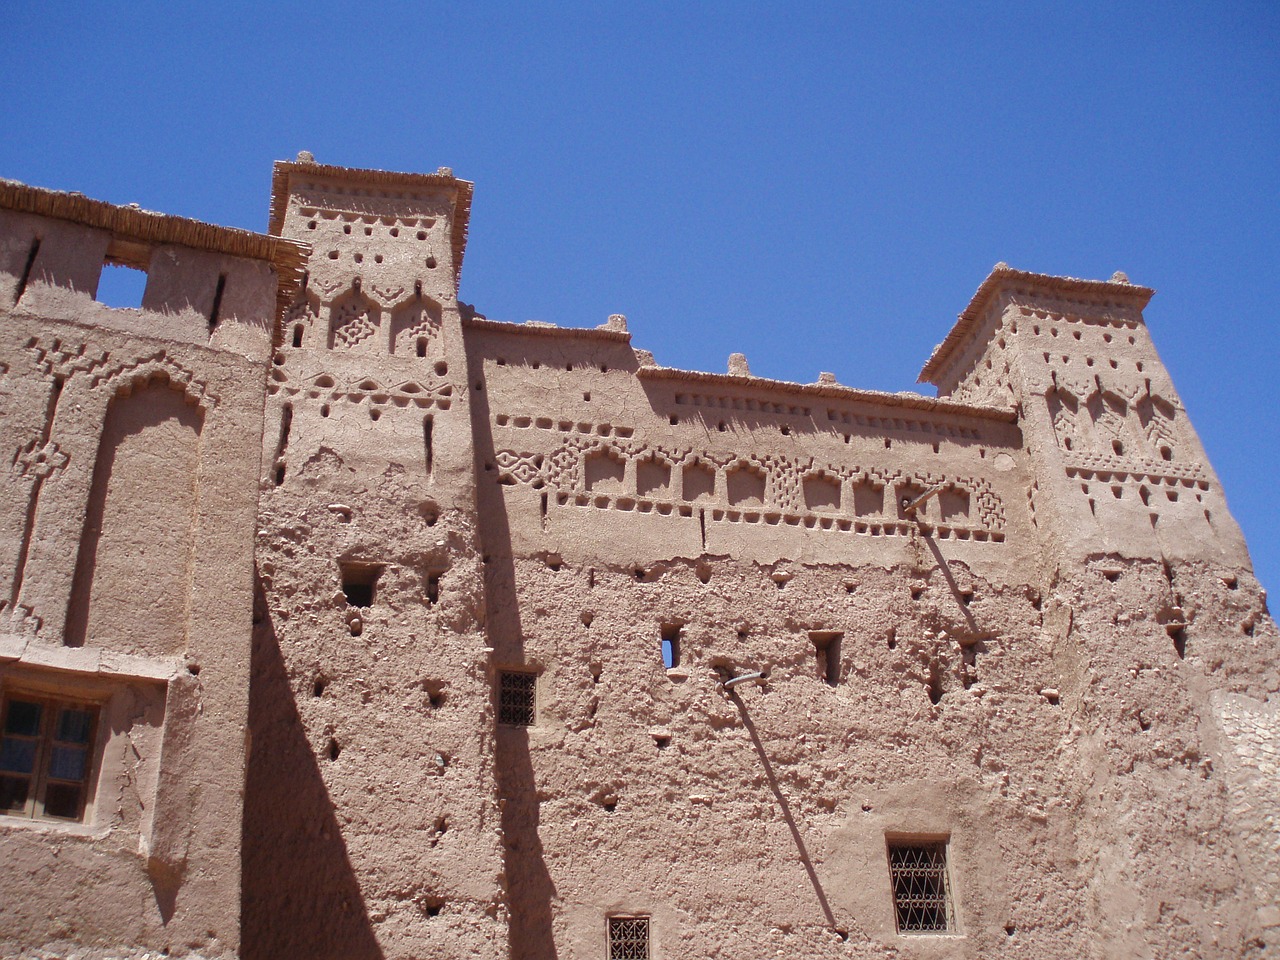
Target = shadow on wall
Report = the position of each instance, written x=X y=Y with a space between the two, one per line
x=299 y=896
x=530 y=891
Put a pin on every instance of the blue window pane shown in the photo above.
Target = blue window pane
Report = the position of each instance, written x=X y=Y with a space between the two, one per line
x=73 y=726
x=17 y=756
x=23 y=718
x=67 y=763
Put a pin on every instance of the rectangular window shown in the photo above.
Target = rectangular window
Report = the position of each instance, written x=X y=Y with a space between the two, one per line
x=826 y=645
x=517 y=698
x=921 y=891
x=628 y=938
x=46 y=752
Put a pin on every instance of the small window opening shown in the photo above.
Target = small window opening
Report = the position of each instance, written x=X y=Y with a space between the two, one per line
x=422 y=346
x=1117 y=447
x=121 y=287
x=1178 y=634
x=297 y=335
x=433 y=587
x=46 y=751
x=517 y=703
x=670 y=645
x=317 y=688
x=628 y=938
x=921 y=892
x=826 y=646
x=429 y=453
x=359 y=583
x=334 y=749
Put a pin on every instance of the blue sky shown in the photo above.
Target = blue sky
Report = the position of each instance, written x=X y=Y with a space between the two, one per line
x=819 y=186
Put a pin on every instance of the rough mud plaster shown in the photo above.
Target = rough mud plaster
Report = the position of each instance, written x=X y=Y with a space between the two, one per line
x=1017 y=618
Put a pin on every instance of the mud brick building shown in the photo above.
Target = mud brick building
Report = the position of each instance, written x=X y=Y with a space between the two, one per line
x=339 y=621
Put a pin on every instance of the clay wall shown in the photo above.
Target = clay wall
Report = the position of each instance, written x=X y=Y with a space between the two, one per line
x=414 y=633
x=126 y=561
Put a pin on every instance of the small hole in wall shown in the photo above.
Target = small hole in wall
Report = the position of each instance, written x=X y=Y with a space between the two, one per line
x=843 y=935
x=587 y=397
x=422 y=234
x=661 y=742
x=966 y=597
x=368 y=231
x=359 y=257
x=936 y=446
x=917 y=593
x=374 y=414
x=433 y=588
x=722 y=426
x=1117 y=448
x=1179 y=637
x=297 y=335
x=887 y=443
x=356 y=626
x=194 y=668
x=346 y=228
x=279 y=474
x=324 y=410
x=610 y=806
x=1231 y=583
x=1112 y=575
x=1010 y=929
x=786 y=431
x=317 y=688
x=588 y=618
x=1166 y=453
x=333 y=254
x=432 y=906
x=935 y=686
x=359 y=583
x=394 y=231
x=674 y=420
x=421 y=347
x=891 y=641
x=441 y=368
x=333 y=749
x=312 y=225
x=703 y=572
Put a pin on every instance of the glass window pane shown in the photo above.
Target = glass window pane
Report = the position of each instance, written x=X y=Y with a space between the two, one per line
x=73 y=726
x=62 y=800
x=17 y=756
x=67 y=763
x=23 y=718
x=13 y=793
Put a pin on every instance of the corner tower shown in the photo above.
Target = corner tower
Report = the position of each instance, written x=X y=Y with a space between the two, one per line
x=370 y=713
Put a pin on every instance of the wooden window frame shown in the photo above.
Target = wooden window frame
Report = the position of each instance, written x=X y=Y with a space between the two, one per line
x=45 y=740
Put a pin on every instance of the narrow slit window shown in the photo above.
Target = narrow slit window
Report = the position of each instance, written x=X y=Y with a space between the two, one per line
x=46 y=749
x=517 y=698
x=826 y=646
x=670 y=645
x=628 y=938
x=921 y=890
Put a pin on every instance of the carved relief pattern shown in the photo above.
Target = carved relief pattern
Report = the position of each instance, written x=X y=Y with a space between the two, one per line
x=63 y=360
x=125 y=376
x=417 y=393
x=39 y=460
x=353 y=322
x=780 y=478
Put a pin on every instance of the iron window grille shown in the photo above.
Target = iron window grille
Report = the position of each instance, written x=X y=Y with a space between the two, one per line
x=517 y=698
x=628 y=938
x=46 y=755
x=921 y=890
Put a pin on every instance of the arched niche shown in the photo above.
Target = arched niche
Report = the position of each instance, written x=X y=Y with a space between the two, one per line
x=132 y=585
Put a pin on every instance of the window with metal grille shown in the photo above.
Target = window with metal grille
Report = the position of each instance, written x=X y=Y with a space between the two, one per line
x=517 y=698
x=921 y=892
x=45 y=756
x=628 y=938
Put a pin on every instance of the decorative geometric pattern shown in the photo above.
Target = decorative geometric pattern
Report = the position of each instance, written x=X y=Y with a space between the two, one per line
x=921 y=895
x=36 y=460
x=352 y=323
x=517 y=706
x=628 y=938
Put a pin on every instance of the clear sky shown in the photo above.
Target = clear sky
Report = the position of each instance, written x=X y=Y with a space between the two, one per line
x=818 y=186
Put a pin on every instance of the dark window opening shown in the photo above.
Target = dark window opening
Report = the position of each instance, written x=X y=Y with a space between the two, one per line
x=422 y=346
x=921 y=892
x=297 y=335
x=359 y=583
x=628 y=938
x=433 y=587
x=517 y=698
x=216 y=311
x=826 y=645
x=45 y=757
